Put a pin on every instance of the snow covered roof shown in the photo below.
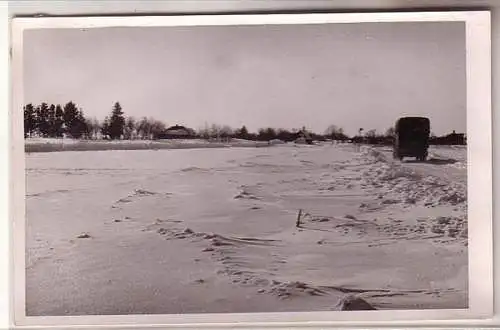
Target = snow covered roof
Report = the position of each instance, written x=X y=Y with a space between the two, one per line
x=178 y=130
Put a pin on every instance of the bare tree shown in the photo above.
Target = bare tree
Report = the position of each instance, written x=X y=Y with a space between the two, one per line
x=149 y=128
x=144 y=128
x=129 y=131
x=204 y=132
x=390 y=132
x=371 y=133
x=226 y=132
x=157 y=127
x=215 y=131
x=335 y=133
x=94 y=127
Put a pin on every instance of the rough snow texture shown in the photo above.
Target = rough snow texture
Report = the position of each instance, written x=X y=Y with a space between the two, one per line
x=64 y=144
x=284 y=228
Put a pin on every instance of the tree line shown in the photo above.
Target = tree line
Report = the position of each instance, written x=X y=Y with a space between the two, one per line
x=55 y=121
x=268 y=133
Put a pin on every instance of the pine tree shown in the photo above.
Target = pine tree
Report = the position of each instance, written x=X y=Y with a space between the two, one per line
x=59 y=121
x=267 y=134
x=116 y=122
x=80 y=128
x=74 y=121
x=29 y=120
x=51 y=121
x=242 y=133
x=70 y=112
x=42 y=125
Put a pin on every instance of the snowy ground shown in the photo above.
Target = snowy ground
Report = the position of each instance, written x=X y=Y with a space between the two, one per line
x=65 y=144
x=214 y=230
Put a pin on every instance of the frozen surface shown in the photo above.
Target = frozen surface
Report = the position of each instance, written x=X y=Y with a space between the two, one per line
x=214 y=230
x=65 y=144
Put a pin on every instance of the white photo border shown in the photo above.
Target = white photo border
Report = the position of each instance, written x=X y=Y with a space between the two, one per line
x=479 y=174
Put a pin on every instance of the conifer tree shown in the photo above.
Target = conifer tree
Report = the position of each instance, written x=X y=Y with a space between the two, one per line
x=51 y=121
x=29 y=119
x=59 y=121
x=74 y=121
x=42 y=124
x=116 y=122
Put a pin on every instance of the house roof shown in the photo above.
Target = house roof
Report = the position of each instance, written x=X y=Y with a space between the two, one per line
x=179 y=131
x=176 y=127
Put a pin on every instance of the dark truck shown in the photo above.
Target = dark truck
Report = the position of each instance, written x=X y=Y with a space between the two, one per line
x=411 y=138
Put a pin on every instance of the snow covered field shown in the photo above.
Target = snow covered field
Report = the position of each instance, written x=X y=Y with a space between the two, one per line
x=214 y=230
x=60 y=144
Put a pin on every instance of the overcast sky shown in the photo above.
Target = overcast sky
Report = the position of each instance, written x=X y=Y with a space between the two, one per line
x=350 y=75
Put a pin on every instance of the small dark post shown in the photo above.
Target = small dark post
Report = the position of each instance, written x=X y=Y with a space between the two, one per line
x=297 y=224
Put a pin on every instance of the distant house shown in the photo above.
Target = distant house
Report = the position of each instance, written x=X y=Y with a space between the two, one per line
x=177 y=132
x=457 y=138
x=450 y=139
x=303 y=137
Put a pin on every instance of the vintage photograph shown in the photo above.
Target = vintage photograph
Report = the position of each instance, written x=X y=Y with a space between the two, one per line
x=246 y=168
